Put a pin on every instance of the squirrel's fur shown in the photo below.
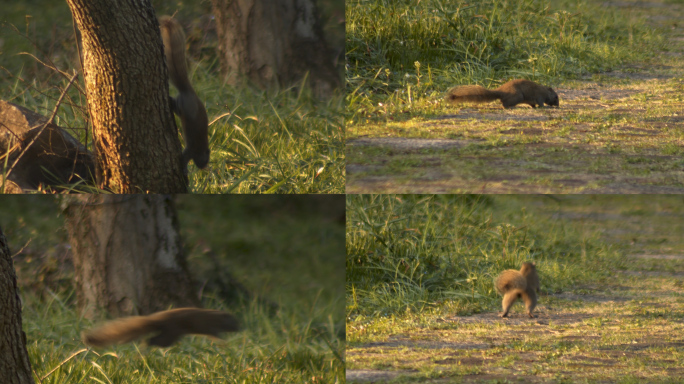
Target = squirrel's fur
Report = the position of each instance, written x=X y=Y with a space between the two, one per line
x=187 y=105
x=522 y=284
x=166 y=326
x=511 y=94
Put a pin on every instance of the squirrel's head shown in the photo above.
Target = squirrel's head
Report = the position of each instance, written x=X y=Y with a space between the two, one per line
x=201 y=159
x=552 y=99
x=528 y=267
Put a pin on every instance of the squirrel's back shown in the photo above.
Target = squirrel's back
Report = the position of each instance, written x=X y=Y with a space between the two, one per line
x=198 y=321
x=529 y=272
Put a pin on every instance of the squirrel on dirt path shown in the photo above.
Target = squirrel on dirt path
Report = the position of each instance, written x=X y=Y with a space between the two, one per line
x=187 y=105
x=168 y=327
x=523 y=284
x=511 y=94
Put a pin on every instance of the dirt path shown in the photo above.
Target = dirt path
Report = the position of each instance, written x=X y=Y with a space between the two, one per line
x=627 y=328
x=618 y=132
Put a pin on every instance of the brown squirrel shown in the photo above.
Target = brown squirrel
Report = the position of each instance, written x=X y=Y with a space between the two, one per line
x=511 y=94
x=168 y=327
x=513 y=285
x=187 y=105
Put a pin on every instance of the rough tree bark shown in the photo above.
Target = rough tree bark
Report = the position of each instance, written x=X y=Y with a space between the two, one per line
x=15 y=367
x=136 y=143
x=274 y=41
x=128 y=255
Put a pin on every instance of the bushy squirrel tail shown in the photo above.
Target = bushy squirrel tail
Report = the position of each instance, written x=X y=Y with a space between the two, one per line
x=509 y=280
x=174 y=48
x=472 y=94
x=166 y=327
x=118 y=331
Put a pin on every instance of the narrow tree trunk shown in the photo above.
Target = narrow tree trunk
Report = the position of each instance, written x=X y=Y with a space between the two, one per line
x=128 y=255
x=136 y=142
x=14 y=362
x=274 y=41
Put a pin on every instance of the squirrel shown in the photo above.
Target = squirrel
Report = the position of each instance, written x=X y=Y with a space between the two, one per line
x=187 y=105
x=168 y=327
x=523 y=284
x=511 y=94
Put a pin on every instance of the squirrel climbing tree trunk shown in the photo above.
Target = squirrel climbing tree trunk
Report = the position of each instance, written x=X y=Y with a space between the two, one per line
x=274 y=42
x=128 y=254
x=15 y=367
x=135 y=140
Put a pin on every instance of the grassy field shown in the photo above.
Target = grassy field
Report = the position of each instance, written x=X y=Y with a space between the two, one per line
x=279 y=141
x=616 y=66
x=287 y=250
x=421 y=306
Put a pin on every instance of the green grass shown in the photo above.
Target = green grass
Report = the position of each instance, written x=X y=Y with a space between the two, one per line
x=285 y=249
x=402 y=55
x=284 y=349
x=421 y=306
x=277 y=141
x=440 y=253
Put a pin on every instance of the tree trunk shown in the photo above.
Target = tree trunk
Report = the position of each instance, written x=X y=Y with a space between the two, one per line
x=135 y=140
x=15 y=367
x=128 y=254
x=274 y=41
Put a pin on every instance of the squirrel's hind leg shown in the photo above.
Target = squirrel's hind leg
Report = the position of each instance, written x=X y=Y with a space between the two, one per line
x=530 y=303
x=507 y=303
